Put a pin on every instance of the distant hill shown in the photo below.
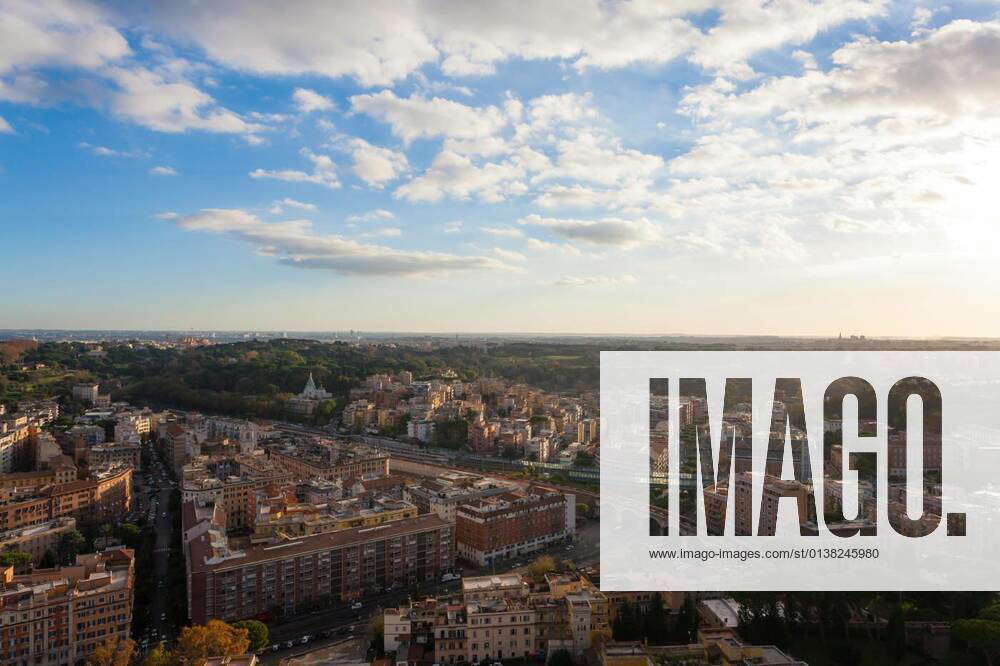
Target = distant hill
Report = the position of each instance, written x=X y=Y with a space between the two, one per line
x=11 y=350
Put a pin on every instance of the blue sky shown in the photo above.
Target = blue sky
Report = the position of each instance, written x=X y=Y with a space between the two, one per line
x=792 y=166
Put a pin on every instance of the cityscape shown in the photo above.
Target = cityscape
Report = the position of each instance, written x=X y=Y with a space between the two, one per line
x=337 y=332
x=436 y=515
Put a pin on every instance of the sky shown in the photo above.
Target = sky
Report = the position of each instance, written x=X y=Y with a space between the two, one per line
x=800 y=167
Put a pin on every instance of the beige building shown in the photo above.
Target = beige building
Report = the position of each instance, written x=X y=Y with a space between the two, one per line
x=115 y=453
x=58 y=616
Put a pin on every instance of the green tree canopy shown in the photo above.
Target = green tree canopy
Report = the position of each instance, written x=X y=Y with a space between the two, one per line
x=257 y=632
x=15 y=558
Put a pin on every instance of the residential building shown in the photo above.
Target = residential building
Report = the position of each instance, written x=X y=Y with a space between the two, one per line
x=37 y=539
x=318 y=458
x=53 y=617
x=513 y=523
x=230 y=583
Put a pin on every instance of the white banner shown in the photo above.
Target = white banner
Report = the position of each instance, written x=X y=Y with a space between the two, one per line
x=841 y=470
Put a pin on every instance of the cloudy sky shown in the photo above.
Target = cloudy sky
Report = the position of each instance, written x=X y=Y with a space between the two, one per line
x=694 y=166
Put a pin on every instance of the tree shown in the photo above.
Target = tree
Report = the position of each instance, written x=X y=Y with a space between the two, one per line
x=48 y=560
x=215 y=639
x=561 y=658
x=377 y=630
x=991 y=613
x=982 y=632
x=112 y=652
x=599 y=636
x=656 y=621
x=541 y=566
x=624 y=626
x=983 y=635
x=159 y=656
x=15 y=558
x=257 y=632
x=896 y=633
x=69 y=544
x=129 y=534
x=686 y=627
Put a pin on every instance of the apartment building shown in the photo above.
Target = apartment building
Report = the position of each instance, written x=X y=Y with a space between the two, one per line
x=280 y=513
x=501 y=617
x=117 y=453
x=61 y=472
x=19 y=432
x=37 y=539
x=500 y=628
x=86 y=393
x=513 y=523
x=57 y=617
x=325 y=459
x=290 y=576
x=445 y=494
x=247 y=433
x=177 y=444
x=104 y=498
x=498 y=586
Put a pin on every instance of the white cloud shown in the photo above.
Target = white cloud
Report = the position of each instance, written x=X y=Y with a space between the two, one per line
x=308 y=101
x=296 y=244
x=324 y=171
x=607 y=231
x=351 y=38
x=595 y=280
x=162 y=171
x=417 y=117
x=379 y=214
x=5 y=127
x=279 y=206
x=509 y=255
x=104 y=151
x=374 y=43
x=453 y=227
x=505 y=232
x=893 y=138
x=376 y=165
x=597 y=158
x=746 y=27
x=60 y=33
x=538 y=245
x=174 y=105
x=457 y=176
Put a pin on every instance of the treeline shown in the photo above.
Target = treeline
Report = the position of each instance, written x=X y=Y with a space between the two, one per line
x=654 y=624
x=256 y=378
x=846 y=626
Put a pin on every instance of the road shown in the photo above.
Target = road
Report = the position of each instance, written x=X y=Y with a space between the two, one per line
x=342 y=615
x=159 y=627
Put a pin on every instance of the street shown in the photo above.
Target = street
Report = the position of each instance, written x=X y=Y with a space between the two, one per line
x=159 y=626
